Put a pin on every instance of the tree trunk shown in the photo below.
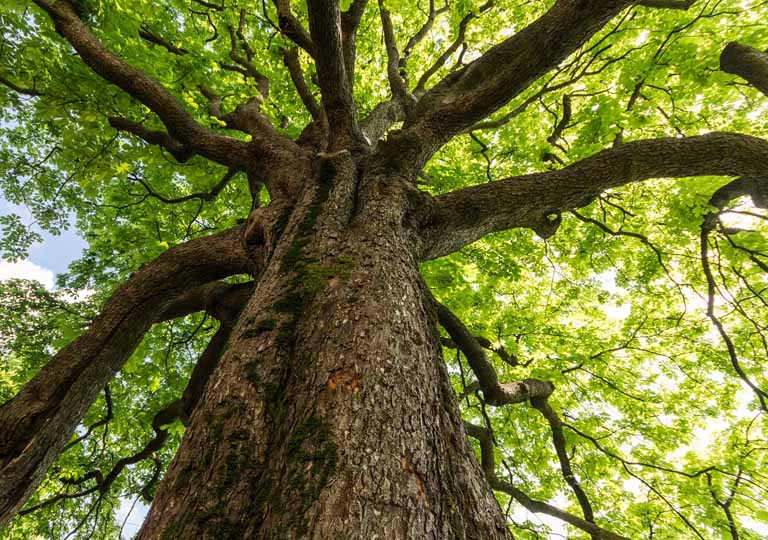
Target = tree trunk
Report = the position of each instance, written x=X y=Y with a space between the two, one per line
x=331 y=414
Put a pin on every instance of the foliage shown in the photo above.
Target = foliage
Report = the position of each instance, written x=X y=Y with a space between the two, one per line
x=613 y=309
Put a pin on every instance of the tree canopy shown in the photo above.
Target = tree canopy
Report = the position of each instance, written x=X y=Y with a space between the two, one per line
x=643 y=303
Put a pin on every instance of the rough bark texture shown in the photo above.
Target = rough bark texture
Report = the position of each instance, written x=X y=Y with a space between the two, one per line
x=331 y=414
x=748 y=63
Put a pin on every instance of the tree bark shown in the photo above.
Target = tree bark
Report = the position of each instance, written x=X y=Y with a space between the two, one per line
x=331 y=414
x=746 y=62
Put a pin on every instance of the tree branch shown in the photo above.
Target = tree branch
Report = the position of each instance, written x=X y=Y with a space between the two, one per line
x=20 y=89
x=396 y=83
x=146 y=34
x=291 y=28
x=536 y=200
x=746 y=62
x=338 y=103
x=37 y=423
x=291 y=61
x=558 y=440
x=180 y=124
x=486 y=84
x=487 y=460
x=494 y=392
x=667 y=4
x=421 y=85
x=350 y=21
x=181 y=152
x=719 y=199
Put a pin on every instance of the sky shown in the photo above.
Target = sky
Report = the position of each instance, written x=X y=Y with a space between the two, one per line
x=46 y=259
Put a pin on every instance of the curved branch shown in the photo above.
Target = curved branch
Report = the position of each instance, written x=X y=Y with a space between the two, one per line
x=558 y=440
x=472 y=93
x=146 y=33
x=180 y=124
x=746 y=62
x=37 y=423
x=202 y=195
x=494 y=392
x=536 y=200
x=485 y=438
x=180 y=152
x=32 y=92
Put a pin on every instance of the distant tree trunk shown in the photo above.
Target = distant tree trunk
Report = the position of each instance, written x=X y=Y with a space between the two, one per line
x=331 y=414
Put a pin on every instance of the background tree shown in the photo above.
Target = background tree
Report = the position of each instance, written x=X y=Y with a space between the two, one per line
x=291 y=208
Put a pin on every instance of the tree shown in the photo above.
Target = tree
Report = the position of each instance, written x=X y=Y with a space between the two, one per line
x=352 y=192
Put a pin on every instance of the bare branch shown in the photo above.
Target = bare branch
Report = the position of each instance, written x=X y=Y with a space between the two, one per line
x=536 y=200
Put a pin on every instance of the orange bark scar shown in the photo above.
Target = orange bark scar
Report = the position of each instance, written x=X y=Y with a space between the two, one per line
x=345 y=379
x=408 y=468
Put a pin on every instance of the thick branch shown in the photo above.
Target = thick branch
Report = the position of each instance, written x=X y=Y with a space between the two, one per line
x=485 y=438
x=536 y=200
x=746 y=62
x=180 y=124
x=494 y=392
x=339 y=106
x=482 y=87
x=37 y=423
x=291 y=28
x=178 y=409
x=380 y=119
